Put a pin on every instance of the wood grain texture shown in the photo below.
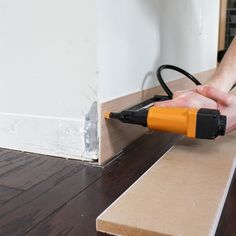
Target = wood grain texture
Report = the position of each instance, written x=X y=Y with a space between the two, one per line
x=182 y=194
x=7 y=193
x=78 y=217
x=13 y=161
x=29 y=169
x=115 y=136
x=27 y=210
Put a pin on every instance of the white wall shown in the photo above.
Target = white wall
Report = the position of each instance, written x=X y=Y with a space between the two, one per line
x=47 y=74
x=189 y=34
x=135 y=37
x=59 y=58
x=128 y=46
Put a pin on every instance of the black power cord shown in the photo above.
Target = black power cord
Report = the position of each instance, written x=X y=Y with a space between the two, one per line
x=175 y=68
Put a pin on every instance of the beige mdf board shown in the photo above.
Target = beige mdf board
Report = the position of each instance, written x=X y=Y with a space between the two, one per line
x=182 y=194
x=115 y=136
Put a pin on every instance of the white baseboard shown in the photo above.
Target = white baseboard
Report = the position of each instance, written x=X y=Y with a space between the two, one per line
x=62 y=137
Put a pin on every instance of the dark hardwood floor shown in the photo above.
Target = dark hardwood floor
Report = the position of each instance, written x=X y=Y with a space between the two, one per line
x=42 y=195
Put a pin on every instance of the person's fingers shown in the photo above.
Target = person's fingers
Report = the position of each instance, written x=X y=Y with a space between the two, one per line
x=179 y=102
x=183 y=92
x=177 y=94
x=215 y=94
x=169 y=103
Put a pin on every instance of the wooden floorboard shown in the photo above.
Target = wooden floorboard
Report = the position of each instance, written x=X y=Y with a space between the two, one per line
x=8 y=193
x=31 y=207
x=29 y=169
x=79 y=215
x=68 y=200
x=11 y=162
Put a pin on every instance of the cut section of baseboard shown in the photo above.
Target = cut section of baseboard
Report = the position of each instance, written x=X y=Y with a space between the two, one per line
x=115 y=136
x=181 y=194
x=62 y=137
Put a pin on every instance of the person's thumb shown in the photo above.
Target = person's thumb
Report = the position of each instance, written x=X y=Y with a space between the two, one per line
x=215 y=94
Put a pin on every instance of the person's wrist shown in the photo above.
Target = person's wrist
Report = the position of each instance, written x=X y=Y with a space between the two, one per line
x=218 y=83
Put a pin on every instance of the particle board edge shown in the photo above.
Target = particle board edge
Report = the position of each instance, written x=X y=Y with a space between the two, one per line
x=221 y=204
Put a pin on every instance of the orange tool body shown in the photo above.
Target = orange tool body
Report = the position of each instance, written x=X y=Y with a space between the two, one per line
x=191 y=122
x=174 y=120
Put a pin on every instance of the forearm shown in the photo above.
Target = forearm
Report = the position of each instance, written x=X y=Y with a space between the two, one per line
x=225 y=75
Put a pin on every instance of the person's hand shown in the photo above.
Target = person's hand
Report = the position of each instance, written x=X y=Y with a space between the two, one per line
x=188 y=98
x=226 y=104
